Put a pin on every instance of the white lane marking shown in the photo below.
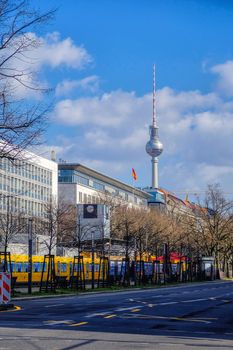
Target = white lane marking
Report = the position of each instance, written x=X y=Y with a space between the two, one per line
x=128 y=308
x=169 y=303
x=193 y=301
x=98 y=314
x=54 y=305
x=41 y=299
x=54 y=322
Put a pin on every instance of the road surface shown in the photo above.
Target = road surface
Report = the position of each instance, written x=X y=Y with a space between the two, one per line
x=194 y=316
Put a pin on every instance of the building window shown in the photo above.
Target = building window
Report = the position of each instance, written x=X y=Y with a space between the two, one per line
x=98 y=186
x=82 y=180
x=80 y=197
x=85 y=198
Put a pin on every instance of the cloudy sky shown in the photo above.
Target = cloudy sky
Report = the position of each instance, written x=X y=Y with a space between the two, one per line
x=98 y=56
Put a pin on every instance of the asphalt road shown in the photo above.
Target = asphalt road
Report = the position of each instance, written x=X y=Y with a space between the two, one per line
x=197 y=316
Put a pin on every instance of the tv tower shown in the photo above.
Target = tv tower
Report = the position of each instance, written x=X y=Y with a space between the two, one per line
x=154 y=147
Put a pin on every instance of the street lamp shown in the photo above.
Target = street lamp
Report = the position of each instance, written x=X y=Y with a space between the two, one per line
x=30 y=256
x=92 y=261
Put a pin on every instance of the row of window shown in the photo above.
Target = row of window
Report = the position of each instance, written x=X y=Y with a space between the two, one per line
x=21 y=205
x=27 y=170
x=72 y=176
x=20 y=267
x=24 y=188
x=38 y=266
x=86 y=199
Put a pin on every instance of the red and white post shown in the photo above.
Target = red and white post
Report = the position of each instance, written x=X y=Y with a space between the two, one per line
x=5 y=287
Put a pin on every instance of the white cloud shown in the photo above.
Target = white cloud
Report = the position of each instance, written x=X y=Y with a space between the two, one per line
x=52 y=52
x=89 y=84
x=195 y=128
x=225 y=77
x=55 y=52
x=110 y=109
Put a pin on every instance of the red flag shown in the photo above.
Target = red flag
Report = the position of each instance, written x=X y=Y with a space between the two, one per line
x=134 y=174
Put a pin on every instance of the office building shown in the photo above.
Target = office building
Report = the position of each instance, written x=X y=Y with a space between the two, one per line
x=26 y=187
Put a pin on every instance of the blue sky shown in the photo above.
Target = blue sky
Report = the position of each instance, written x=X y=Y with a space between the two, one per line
x=98 y=57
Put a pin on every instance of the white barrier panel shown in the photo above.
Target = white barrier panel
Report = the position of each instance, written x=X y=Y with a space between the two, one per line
x=5 y=287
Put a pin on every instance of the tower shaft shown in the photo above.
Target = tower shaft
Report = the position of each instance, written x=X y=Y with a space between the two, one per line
x=155 y=178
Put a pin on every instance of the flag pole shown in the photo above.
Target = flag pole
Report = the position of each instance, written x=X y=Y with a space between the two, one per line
x=133 y=188
x=133 y=183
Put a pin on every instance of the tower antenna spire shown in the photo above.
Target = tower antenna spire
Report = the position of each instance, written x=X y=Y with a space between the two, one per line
x=154 y=121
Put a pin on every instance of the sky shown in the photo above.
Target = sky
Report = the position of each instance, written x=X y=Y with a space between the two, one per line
x=97 y=57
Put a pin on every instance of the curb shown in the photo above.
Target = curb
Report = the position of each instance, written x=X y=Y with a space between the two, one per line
x=78 y=294
x=44 y=297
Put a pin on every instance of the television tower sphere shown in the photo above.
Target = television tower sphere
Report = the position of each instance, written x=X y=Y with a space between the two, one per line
x=154 y=147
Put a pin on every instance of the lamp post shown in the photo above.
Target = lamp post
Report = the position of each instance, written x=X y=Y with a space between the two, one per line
x=92 y=261
x=30 y=256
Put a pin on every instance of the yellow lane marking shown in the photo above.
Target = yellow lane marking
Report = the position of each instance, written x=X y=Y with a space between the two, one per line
x=135 y=310
x=78 y=324
x=16 y=308
x=110 y=316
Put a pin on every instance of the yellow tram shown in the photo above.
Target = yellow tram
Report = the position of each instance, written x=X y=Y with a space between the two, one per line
x=63 y=267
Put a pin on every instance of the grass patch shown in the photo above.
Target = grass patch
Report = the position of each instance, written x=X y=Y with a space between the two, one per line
x=68 y=291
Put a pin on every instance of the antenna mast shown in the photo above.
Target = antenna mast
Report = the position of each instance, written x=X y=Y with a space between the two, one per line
x=154 y=121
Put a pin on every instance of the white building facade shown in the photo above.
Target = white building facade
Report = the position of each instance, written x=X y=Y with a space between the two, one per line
x=78 y=184
x=83 y=187
x=26 y=187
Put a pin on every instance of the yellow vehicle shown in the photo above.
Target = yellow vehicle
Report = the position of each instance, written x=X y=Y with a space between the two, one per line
x=63 y=268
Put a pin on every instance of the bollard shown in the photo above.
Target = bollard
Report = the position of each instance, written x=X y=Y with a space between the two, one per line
x=5 y=287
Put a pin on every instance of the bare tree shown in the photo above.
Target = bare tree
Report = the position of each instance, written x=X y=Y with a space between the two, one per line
x=11 y=224
x=53 y=227
x=215 y=222
x=157 y=231
x=21 y=120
